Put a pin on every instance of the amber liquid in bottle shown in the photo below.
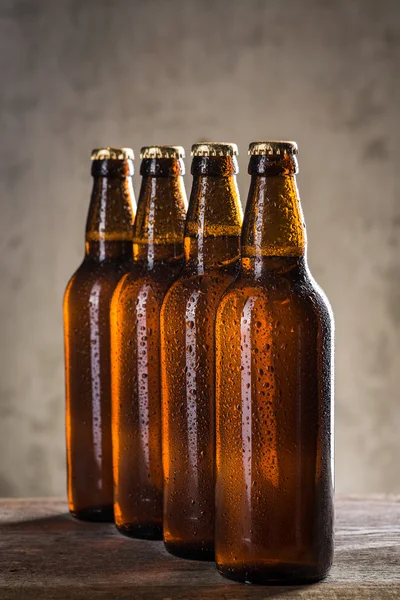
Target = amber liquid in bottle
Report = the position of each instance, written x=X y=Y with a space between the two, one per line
x=274 y=355
x=212 y=248
x=87 y=339
x=135 y=326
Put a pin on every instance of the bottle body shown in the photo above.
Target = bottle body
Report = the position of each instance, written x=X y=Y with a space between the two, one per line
x=87 y=341
x=135 y=330
x=136 y=384
x=274 y=394
x=188 y=426
x=188 y=363
x=274 y=492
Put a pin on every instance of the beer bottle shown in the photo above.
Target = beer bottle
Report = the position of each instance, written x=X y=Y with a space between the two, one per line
x=212 y=250
x=274 y=386
x=87 y=334
x=135 y=333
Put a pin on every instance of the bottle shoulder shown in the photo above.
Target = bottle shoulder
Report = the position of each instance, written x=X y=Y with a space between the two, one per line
x=300 y=293
x=91 y=268
x=141 y=284
x=321 y=298
x=158 y=278
x=94 y=278
x=207 y=286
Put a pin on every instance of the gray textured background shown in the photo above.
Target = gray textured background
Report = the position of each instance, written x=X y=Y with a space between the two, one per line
x=75 y=75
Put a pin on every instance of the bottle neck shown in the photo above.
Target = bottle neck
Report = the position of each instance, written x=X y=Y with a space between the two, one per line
x=273 y=225
x=213 y=224
x=160 y=219
x=109 y=226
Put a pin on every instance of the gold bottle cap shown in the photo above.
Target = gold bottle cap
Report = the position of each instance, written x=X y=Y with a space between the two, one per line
x=112 y=154
x=162 y=152
x=214 y=149
x=272 y=147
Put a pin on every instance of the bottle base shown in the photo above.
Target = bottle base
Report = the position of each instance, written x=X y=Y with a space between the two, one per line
x=147 y=531
x=284 y=574
x=101 y=514
x=190 y=551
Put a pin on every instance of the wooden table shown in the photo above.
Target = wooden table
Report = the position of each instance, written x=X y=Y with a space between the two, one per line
x=44 y=553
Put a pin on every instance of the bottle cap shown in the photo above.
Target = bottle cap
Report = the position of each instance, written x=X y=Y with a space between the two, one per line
x=273 y=147
x=112 y=154
x=162 y=152
x=214 y=149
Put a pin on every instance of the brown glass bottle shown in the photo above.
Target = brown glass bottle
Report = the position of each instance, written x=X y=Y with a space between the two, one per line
x=212 y=250
x=87 y=334
x=274 y=386
x=135 y=332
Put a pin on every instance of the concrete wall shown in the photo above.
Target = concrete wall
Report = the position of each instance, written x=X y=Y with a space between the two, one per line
x=75 y=75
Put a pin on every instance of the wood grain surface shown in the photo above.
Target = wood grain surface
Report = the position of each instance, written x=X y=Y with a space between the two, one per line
x=45 y=553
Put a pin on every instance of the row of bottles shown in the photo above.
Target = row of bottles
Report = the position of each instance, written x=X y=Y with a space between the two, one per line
x=199 y=365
